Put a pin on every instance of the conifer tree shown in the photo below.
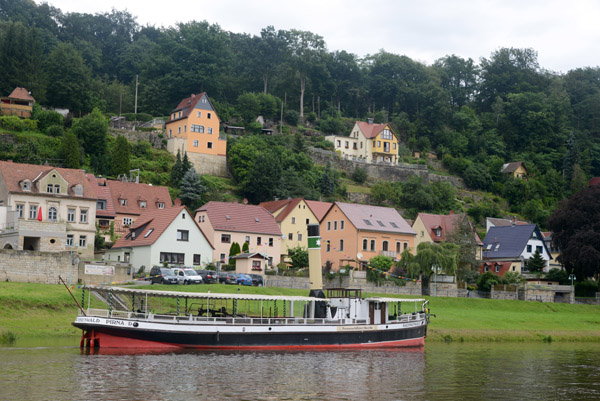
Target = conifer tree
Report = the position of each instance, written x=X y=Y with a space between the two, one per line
x=69 y=150
x=536 y=263
x=120 y=156
x=192 y=190
x=177 y=171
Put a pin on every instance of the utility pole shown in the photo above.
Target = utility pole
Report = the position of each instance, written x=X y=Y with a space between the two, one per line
x=120 y=103
x=136 y=93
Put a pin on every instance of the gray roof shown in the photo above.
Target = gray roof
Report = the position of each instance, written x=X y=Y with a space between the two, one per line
x=508 y=241
x=375 y=218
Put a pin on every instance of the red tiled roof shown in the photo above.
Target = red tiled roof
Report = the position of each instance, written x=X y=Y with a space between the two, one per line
x=319 y=208
x=156 y=220
x=504 y=267
x=188 y=104
x=375 y=218
x=14 y=173
x=21 y=94
x=447 y=223
x=237 y=217
x=274 y=206
x=134 y=193
x=102 y=192
x=371 y=130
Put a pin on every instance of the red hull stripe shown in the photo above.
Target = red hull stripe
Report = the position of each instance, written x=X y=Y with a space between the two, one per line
x=109 y=341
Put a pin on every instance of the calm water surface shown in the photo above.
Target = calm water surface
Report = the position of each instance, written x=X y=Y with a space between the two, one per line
x=436 y=372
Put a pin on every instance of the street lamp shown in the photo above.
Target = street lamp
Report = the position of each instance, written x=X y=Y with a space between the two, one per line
x=572 y=277
x=436 y=269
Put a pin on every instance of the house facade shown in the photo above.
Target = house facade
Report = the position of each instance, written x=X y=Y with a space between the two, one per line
x=225 y=223
x=194 y=128
x=509 y=248
x=292 y=216
x=373 y=143
x=437 y=227
x=163 y=236
x=47 y=209
x=515 y=169
x=353 y=233
x=18 y=103
x=250 y=263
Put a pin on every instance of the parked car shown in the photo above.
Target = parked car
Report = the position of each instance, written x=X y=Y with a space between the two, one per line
x=257 y=280
x=162 y=275
x=187 y=276
x=208 y=276
x=243 y=279
x=227 y=278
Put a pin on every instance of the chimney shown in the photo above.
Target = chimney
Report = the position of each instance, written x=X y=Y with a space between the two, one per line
x=451 y=212
x=514 y=221
x=369 y=121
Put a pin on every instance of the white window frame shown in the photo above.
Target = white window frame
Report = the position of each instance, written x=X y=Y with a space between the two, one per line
x=71 y=215
x=83 y=216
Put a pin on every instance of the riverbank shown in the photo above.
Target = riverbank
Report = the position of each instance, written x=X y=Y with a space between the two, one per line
x=39 y=310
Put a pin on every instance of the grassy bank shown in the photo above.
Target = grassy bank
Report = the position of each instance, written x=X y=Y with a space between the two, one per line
x=48 y=310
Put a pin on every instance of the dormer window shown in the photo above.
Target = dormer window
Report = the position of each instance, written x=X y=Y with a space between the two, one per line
x=437 y=232
x=78 y=190
x=123 y=202
x=26 y=185
x=161 y=205
x=143 y=204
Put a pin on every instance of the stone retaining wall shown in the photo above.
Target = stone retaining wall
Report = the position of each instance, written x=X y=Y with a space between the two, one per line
x=36 y=267
x=411 y=287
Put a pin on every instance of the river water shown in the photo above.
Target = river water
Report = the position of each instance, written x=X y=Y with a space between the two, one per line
x=457 y=371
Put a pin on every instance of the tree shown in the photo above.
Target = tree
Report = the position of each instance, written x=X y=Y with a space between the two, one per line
x=234 y=249
x=299 y=257
x=381 y=263
x=463 y=236
x=486 y=280
x=327 y=184
x=69 y=150
x=359 y=175
x=177 y=171
x=536 y=263
x=192 y=190
x=92 y=132
x=430 y=255
x=575 y=225
x=120 y=157
x=245 y=247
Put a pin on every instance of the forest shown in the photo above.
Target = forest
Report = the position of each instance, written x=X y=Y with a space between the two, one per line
x=475 y=115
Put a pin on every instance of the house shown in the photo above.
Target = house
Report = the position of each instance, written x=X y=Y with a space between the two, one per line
x=509 y=248
x=554 y=252
x=105 y=208
x=129 y=200
x=226 y=222
x=515 y=169
x=48 y=209
x=18 y=103
x=250 y=263
x=496 y=222
x=318 y=208
x=292 y=216
x=437 y=227
x=168 y=236
x=353 y=233
x=194 y=128
x=370 y=142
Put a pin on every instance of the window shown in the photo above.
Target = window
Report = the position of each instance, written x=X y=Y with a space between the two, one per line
x=293 y=220
x=384 y=246
x=290 y=236
x=328 y=246
x=161 y=205
x=346 y=144
x=394 y=145
x=405 y=246
x=50 y=188
x=196 y=128
x=52 y=213
x=69 y=240
x=208 y=115
x=198 y=114
x=123 y=202
x=185 y=128
x=195 y=143
x=20 y=208
x=299 y=237
x=339 y=143
x=169 y=257
x=71 y=215
x=368 y=222
x=209 y=145
x=529 y=248
x=398 y=247
x=209 y=130
x=222 y=257
x=341 y=224
x=197 y=259
x=256 y=265
x=143 y=204
x=365 y=245
x=33 y=210
x=386 y=134
x=335 y=225
x=170 y=133
x=258 y=240
x=539 y=248
x=393 y=224
x=225 y=238
x=372 y=245
x=26 y=185
x=438 y=232
x=82 y=241
x=101 y=205
x=127 y=221
x=179 y=130
x=380 y=223
x=201 y=129
x=83 y=216
x=183 y=235
x=374 y=143
x=341 y=245
x=270 y=241
x=149 y=232
x=56 y=189
x=248 y=239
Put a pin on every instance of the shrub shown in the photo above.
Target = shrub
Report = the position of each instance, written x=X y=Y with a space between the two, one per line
x=30 y=125
x=359 y=175
x=55 y=131
x=486 y=281
x=49 y=118
x=12 y=123
x=292 y=117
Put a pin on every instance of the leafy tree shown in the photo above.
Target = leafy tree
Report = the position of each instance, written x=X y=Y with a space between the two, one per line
x=486 y=280
x=381 y=263
x=536 y=263
x=558 y=274
x=476 y=176
x=120 y=157
x=47 y=119
x=92 y=132
x=299 y=257
x=443 y=256
x=576 y=232
x=463 y=236
x=512 y=278
x=69 y=150
x=359 y=175
x=192 y=190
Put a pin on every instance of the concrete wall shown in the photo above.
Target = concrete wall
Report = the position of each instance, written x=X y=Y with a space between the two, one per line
x=36 y=267
x=101 y=272
x=203 y=163
x=400 y=172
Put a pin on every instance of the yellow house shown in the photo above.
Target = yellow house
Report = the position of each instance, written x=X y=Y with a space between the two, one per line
x=515 y=169
x=375 y=143
x=292 y=216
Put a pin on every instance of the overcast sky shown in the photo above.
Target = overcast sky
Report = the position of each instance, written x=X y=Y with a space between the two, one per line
x=566 y=34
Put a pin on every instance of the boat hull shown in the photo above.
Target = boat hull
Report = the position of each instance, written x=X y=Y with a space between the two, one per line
x=325 y=337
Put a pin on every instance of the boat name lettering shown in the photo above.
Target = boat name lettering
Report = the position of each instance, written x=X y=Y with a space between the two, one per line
x=115 y=322
x=354 y=328
x=90 y=319
x=413 y=324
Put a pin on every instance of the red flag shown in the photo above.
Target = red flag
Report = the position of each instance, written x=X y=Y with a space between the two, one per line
x=40 y=214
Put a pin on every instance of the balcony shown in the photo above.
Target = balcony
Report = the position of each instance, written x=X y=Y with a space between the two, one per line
x=391 y=254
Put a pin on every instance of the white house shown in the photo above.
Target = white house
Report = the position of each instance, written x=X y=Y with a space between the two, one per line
x=163 y=236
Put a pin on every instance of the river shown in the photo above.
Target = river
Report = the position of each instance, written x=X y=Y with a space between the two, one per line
x=456 y=371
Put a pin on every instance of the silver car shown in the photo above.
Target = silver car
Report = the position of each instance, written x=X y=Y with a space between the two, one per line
x=187 y=276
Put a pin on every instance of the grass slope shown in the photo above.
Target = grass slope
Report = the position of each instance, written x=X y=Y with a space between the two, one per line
x=48 y=310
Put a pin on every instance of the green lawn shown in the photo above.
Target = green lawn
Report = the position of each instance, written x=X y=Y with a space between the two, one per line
x=48 y=310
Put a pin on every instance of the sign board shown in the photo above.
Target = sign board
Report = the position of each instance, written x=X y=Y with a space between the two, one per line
x=100 y=270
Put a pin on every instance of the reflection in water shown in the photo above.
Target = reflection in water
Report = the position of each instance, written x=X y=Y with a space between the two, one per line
x=438 y=372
